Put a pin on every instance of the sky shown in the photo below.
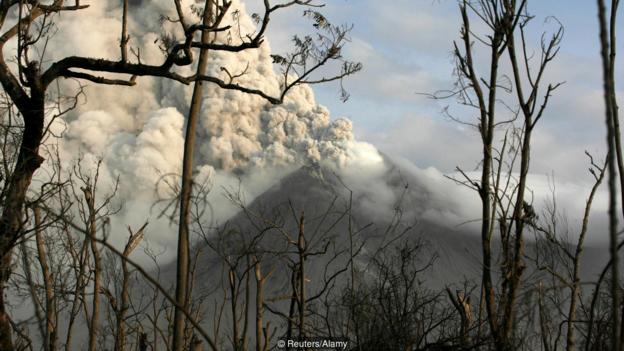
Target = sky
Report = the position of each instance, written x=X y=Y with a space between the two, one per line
x=405 y=48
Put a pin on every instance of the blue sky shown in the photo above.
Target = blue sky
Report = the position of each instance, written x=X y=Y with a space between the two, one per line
x=405 y=47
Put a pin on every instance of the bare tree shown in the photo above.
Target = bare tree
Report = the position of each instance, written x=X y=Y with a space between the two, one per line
x=51 y=318
x=561 y=260
x=123 y=305
x=614 y=149
x=504 y=200
x=187 y=181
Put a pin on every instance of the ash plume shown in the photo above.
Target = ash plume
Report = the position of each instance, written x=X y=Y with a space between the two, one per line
x=137 y=132
x=237 y=131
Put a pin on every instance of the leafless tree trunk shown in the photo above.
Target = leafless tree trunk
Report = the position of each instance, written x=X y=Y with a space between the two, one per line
x=607 y=53
x=11 y=219
x=183 y=259
x=234 y=308
x=48 y=285
x=462 y=305
x=503 y=19
x=543 y=323
x=34 y=296
x=578 y=254
x=260 y=335
x=301 y=247
x=97 y=266
x=79 y=264
x=133 y=241
x=487 y=106
x=532 y=112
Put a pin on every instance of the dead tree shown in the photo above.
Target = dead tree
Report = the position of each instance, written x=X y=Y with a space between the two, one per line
x=94 y=216
x=187 y=182
x=48 y=285
x=559 y=251
x=614 y=149
x=134 y=239
x=503 y=206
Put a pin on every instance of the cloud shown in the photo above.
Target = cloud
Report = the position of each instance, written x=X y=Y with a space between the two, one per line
x=430 y=142
x=385 y=79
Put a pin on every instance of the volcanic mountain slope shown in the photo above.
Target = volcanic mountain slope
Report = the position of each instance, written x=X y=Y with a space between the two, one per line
x=338 y=222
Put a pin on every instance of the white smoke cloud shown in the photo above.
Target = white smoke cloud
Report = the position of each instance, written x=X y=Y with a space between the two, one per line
x=243 y=141
x=236 y=130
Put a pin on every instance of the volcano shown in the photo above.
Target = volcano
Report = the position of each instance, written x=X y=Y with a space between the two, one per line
x=339 y=224
x=338 y=221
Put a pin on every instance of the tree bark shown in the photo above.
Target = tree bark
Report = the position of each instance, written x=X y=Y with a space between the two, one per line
x=183 y=260
x=28 y=161
x=606 y=44
x=301 y=244
x=97 y=267
x=259 y=306
x=48 y=283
